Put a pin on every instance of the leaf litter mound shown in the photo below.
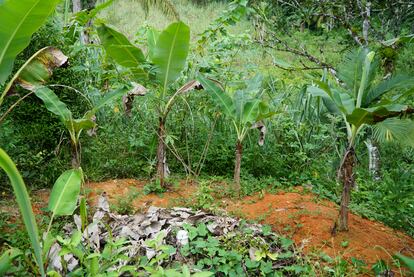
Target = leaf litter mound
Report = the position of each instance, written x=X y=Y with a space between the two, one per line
x=144 y=234
x=301 y=215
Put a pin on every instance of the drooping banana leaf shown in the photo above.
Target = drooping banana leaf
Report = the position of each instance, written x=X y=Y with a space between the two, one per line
x=38 y=69
x=53 y=103
x=374 y=115
x=22 y=198
x=65 y=192
x=119 y=48
x=171 y=52
x=219 y=96
x=19 y=19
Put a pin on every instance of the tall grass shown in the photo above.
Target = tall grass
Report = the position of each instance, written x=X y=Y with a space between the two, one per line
x=127 y=16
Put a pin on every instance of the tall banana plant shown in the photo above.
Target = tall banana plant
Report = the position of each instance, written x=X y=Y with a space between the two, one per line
x=363 y=100
x=245 y=109
x=160 y=68
x=19 y=19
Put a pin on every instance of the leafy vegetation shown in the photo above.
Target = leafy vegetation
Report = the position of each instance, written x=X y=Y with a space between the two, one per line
x=108 y=89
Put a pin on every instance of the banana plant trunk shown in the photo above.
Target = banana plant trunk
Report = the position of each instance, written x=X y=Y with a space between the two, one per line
x=374 y=160
x=239 y=151
x=346 y=173
x=76 y=155
x=162 y=168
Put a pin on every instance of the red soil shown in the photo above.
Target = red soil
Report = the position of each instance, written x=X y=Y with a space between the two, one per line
x=302 y=216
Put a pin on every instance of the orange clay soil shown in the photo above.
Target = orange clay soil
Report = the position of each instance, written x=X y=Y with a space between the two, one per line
x=302 y=216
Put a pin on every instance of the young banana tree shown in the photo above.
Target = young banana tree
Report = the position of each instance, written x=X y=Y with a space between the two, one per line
x=74 y=126
x=245 y=109
x=19 y=20
x=160 y=68
x=362 y=100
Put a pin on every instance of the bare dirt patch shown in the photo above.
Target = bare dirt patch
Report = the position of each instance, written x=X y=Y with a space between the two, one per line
x=302 y=216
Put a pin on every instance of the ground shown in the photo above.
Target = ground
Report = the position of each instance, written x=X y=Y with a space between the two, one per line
x=298 y=214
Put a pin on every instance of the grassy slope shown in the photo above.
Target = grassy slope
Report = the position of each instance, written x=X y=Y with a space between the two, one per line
x=127 y=16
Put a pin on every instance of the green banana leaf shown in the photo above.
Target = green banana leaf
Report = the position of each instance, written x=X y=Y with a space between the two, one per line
x=108 y=98
x=78 y=125
x=152 y=38
x=65 y=192
x=118 y=47
x=53 y=104
x=219 y=96
x=19 y=19
x=409 y=262
x=22 y=198
x=171 y=52
x=374 y=115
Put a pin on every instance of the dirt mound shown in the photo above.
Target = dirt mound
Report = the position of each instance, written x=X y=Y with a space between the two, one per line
x=302 y=216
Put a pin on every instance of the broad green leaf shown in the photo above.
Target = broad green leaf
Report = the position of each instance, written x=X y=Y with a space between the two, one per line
x=123 y=52
x=37 y=70
x=108 y=98
x=409 y=262
x=402 y=83
x=152 y=38
x=317 y=92
x=219 y=96
x=78 y=125
x=19 y=19
x=65 y=193
x=171 y=52
x=53 y=103
x=250 y=111
x=374 y=115
x=22 y=198
x=7 y=258
x=366 y=71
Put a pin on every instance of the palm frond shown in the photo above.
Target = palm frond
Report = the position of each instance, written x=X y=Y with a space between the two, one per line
x=395 y=129
x=165 y=6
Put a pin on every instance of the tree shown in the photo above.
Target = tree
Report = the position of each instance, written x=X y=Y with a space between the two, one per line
x=160 y=68
x=245 y=109
x=361 y=100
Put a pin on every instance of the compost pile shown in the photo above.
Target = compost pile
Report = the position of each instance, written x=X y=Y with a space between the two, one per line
x=146 y=234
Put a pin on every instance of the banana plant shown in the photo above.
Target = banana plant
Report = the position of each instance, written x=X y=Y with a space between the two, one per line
x=161 y=67
x=75 y=127
x=245 y=109
x=363 y=99
x=35 y=72
x=19 y=19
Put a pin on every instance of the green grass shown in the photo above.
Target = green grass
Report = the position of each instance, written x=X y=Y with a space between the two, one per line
x=127 y=16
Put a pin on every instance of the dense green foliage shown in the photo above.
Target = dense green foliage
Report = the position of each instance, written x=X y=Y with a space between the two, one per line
x=290 y=45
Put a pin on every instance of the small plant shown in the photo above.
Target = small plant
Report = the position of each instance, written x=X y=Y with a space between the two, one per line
x=125 y=204
x=154 y=187
x=204 y=199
